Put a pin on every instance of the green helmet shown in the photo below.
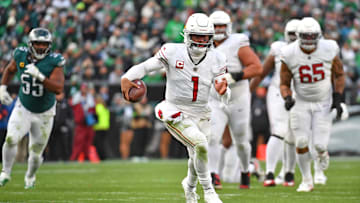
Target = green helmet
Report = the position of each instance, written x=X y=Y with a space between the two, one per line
x=39 y=35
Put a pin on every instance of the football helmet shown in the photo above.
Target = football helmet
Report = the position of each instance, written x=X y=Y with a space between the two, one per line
x=221 y=18
x=39 y=35
x=198 y=24
x=308 y=33
x=290 y=30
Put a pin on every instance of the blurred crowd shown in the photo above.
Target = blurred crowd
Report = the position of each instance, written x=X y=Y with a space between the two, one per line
x=101 y=39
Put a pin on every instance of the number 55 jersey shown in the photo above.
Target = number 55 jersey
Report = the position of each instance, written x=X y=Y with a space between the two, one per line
x=311 y=72
x=32 y=94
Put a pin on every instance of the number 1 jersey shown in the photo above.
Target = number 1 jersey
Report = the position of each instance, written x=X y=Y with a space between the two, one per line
x=188 y=84
x=311 y=72
x=32 y=92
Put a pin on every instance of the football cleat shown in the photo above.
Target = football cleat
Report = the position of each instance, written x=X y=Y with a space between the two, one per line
x=305 y=186
x=29 y=182
x=190 y=193
x=210 y=196
x=269 y=180
x=257 y=172
x=4 y=178
x=245 y=181
x=279 y=180
x=289 y=180
x=215 y=180
x=320 y=178
x=323 y=160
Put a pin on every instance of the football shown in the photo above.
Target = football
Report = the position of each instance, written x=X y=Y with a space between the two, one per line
x=136 y=94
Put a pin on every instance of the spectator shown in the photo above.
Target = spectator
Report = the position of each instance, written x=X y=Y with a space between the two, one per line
x=101 y=127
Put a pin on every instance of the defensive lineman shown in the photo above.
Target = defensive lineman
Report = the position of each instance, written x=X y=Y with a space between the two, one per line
x=243 y=64
x=279 y=117
x=192 y=68
x=42 y=77
x=313 y=64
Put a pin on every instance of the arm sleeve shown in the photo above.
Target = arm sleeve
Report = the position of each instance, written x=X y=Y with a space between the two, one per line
x=140 y=70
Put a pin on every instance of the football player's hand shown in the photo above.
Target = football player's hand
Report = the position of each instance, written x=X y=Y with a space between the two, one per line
x=221 y=86
x=5 y=97
x=230 y=80
x=126 y=84
x=32 y=70
x=289 y=102
x=337 y=105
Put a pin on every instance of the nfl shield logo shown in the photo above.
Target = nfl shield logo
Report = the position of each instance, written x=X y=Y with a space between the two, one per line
x=179 y=64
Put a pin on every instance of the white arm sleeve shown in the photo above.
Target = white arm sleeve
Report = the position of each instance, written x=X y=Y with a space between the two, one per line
x=140 y=70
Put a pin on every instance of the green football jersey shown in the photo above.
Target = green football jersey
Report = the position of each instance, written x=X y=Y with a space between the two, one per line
x=32 y=93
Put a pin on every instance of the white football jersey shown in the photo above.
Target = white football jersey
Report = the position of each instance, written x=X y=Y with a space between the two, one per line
x=230 y=48
x=311 y=72
x=188 y=85
x=275 y=51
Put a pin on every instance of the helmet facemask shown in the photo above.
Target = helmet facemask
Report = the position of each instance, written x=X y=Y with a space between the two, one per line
x=199 y=48
x=39 y=42
x=222 y=31
x=308 y=41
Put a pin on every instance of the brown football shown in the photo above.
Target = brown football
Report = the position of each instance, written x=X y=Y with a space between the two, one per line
x=136 y=94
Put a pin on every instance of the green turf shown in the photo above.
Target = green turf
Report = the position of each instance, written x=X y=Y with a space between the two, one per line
x=159 y=181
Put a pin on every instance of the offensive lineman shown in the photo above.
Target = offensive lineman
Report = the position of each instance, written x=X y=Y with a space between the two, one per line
x=191 y=69
x=279 y=117
x=243 y=64
x=313 y=64
x=42 y=77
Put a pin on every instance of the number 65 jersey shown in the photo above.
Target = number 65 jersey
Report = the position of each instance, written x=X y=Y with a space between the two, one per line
x=32 y=93
x=188 y=84
x=311 y=72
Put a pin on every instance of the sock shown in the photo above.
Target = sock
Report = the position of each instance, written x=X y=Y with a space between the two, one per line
x=201 y=166
x=191 y=175
x=34 y=162
x=214 y=157
x=244 y=153
x=304 y=161
x=9 y=153
x=290 y=157
x=221 y=160
x=231 y=161
x=273 y=152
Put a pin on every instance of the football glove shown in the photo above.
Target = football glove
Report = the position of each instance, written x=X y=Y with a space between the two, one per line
x=344 y=114
x=5 y=97
x=336 y=104
x=289 y=102
x=32 y=70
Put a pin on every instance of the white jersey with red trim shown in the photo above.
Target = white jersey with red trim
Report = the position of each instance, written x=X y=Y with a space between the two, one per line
x=188 y=84
x=230 y=48
x=275 y=51
x=311 y=72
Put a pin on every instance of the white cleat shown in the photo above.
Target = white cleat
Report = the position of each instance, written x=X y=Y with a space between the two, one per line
x=323 y=160
x=279 y=180
x=4 y=178
x=211 y=196
x=320 y=178
x=190 y=194
x=305 y=187
x=29 y=182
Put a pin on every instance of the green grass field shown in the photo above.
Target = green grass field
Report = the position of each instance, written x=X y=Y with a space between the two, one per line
x=159 y=181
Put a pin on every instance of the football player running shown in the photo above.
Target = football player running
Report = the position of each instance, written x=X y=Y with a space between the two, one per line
x=41 y=76
x=313 y=64
x=192 y=68
x=279 y=116
x=243 y=64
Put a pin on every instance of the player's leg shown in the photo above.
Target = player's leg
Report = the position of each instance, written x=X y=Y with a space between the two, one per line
x=279 y=121
x=39 y=136
x=188 y=132
x=218 y=122
x=300 y=122
x=289 y=160
x=321 y=136
x=239 y=129
x=18 y=126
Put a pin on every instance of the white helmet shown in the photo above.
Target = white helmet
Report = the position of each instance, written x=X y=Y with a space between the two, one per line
x=198 y=24
x=308 y=33
x=39 y=35
x=221 y=18
x=290 y=30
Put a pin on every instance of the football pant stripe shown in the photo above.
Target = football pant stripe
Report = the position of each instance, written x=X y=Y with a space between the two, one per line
x=179 y=134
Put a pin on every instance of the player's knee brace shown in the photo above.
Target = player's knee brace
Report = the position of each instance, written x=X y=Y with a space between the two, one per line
x=320 y=148
x=302 y=142
x=201 y=151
